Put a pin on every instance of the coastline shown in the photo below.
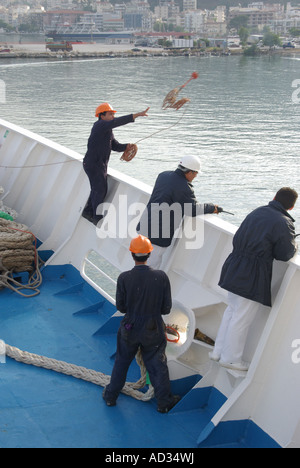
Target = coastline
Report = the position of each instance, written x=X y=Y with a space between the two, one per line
x=101 y=50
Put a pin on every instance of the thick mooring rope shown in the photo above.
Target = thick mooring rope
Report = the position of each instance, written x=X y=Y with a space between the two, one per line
x=18 y=253
x=89 y=375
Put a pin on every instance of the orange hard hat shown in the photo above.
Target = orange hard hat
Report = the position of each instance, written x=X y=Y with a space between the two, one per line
x=141 y=245
x=105 y=107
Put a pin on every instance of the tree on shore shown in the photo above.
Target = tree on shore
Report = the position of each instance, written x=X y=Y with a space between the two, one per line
x=244 y=34
x=238 y=22
x=6 y=26
x=251 y=51
x=271 y=39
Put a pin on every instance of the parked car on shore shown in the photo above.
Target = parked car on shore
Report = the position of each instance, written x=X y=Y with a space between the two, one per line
x=290 y=45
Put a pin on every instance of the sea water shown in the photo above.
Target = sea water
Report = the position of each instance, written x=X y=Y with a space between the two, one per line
x=242 y=120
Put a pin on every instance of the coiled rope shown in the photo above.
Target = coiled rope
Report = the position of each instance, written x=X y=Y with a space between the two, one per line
x=88 y=375
x=18 y=253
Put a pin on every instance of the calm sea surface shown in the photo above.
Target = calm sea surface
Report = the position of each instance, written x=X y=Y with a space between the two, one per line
x=242 y=121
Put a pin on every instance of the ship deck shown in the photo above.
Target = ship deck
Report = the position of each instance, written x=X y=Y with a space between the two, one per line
x=41 y=408
x=72 y=320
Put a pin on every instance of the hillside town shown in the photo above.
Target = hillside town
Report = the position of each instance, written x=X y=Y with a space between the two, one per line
x=181 y=21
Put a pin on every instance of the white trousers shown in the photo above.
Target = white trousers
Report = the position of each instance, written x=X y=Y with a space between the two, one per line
x=156 y=258
x=233 y=332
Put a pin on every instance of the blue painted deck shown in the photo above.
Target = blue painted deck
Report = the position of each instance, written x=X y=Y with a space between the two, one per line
x=70 y=321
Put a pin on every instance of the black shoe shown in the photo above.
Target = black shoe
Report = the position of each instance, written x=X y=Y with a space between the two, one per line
x=166 y=409
x=87 y=215
x=95 y=220
x=108 y=401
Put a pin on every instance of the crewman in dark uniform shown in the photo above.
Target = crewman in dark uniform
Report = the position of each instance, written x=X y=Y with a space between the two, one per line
x=143 y=295
x=100 y=144
x=267 y=234
x=172 y=198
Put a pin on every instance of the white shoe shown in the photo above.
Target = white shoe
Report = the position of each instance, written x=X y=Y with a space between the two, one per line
x=213 y=356
x=238 y=366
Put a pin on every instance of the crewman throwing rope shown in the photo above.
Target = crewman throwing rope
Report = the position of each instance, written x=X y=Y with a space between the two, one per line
x=100 y=144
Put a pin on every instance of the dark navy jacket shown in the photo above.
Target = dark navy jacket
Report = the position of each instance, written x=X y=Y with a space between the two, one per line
x=266 y=234
x=144 y=295
x=102 y=141
x=171 y=188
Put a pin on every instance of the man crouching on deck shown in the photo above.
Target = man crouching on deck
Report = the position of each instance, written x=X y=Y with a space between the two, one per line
x=144 y=295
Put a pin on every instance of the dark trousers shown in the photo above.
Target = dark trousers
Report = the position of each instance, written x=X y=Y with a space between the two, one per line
x=153 y=346
x=98 y=182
